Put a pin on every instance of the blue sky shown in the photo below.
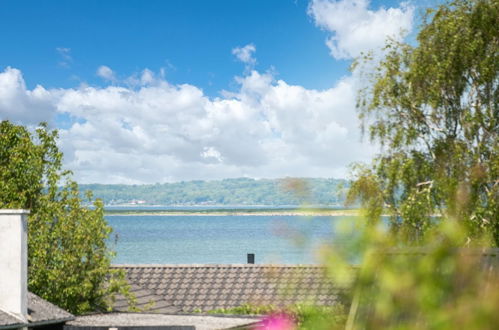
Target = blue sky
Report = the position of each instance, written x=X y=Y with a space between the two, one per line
x=191 y=40
x=158 y=91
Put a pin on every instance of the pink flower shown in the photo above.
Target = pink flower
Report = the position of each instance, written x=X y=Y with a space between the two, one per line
x=277 y=321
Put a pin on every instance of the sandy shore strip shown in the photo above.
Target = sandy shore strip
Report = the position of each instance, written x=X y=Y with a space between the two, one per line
x=298 y=212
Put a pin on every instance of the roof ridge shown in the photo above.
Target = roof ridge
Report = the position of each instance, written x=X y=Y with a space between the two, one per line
x=20 y=318
x=215 y=266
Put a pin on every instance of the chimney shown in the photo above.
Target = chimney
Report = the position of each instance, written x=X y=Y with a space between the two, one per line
x=14 y=262
x=251 y=258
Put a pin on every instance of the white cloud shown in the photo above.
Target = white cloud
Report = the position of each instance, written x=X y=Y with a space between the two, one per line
x=157 y=132
x=106 y=73
x=21 y=105
x=147 y=77
x=355 y=28
x=143 y=129
x=210 y=152
x=245 y=54
x=65 y=54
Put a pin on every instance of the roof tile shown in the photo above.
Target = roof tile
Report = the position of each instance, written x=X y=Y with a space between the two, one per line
x=206 y=287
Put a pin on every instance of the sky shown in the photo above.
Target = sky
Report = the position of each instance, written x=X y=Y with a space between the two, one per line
x=164 y=91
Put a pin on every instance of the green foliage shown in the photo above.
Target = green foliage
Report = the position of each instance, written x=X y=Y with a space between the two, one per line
x=25 y=165
x=437 y=286
x=245 y=309
x=434 y=110
x=67 y=253
x=241 y=191
x=307 y=316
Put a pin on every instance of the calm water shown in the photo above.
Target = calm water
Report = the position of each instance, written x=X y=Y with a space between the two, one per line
x=219 y=239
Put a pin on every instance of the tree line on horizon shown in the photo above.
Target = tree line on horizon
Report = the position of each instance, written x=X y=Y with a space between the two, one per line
x=237 y=191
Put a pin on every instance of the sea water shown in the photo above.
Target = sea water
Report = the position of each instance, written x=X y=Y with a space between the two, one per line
x=219 y=239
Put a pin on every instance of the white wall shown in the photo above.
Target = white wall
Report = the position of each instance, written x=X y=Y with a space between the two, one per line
x=14 y=262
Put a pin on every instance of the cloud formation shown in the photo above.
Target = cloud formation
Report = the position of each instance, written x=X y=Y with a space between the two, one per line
x=65 y=54
x=23 y=105
x=106 y=73
x=245 y=54
x=355 y=29
x=162 y=132
x=143 y=129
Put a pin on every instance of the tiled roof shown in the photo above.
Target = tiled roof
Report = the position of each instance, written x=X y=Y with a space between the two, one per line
x=147 y=301
x=40 y=312
x=187 y=288
x=8 y=321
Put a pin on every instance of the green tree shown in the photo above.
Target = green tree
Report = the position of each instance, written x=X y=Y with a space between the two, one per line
x=68 y=260
x=434 y=110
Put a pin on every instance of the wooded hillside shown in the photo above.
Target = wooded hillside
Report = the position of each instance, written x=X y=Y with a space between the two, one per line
x=241 y=191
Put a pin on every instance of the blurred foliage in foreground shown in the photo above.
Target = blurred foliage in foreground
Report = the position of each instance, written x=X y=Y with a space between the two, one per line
x=434 y=109
x=303 y=315
x=439 y=285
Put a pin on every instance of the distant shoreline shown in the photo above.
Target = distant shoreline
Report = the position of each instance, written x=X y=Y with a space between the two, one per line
x=235 y=212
